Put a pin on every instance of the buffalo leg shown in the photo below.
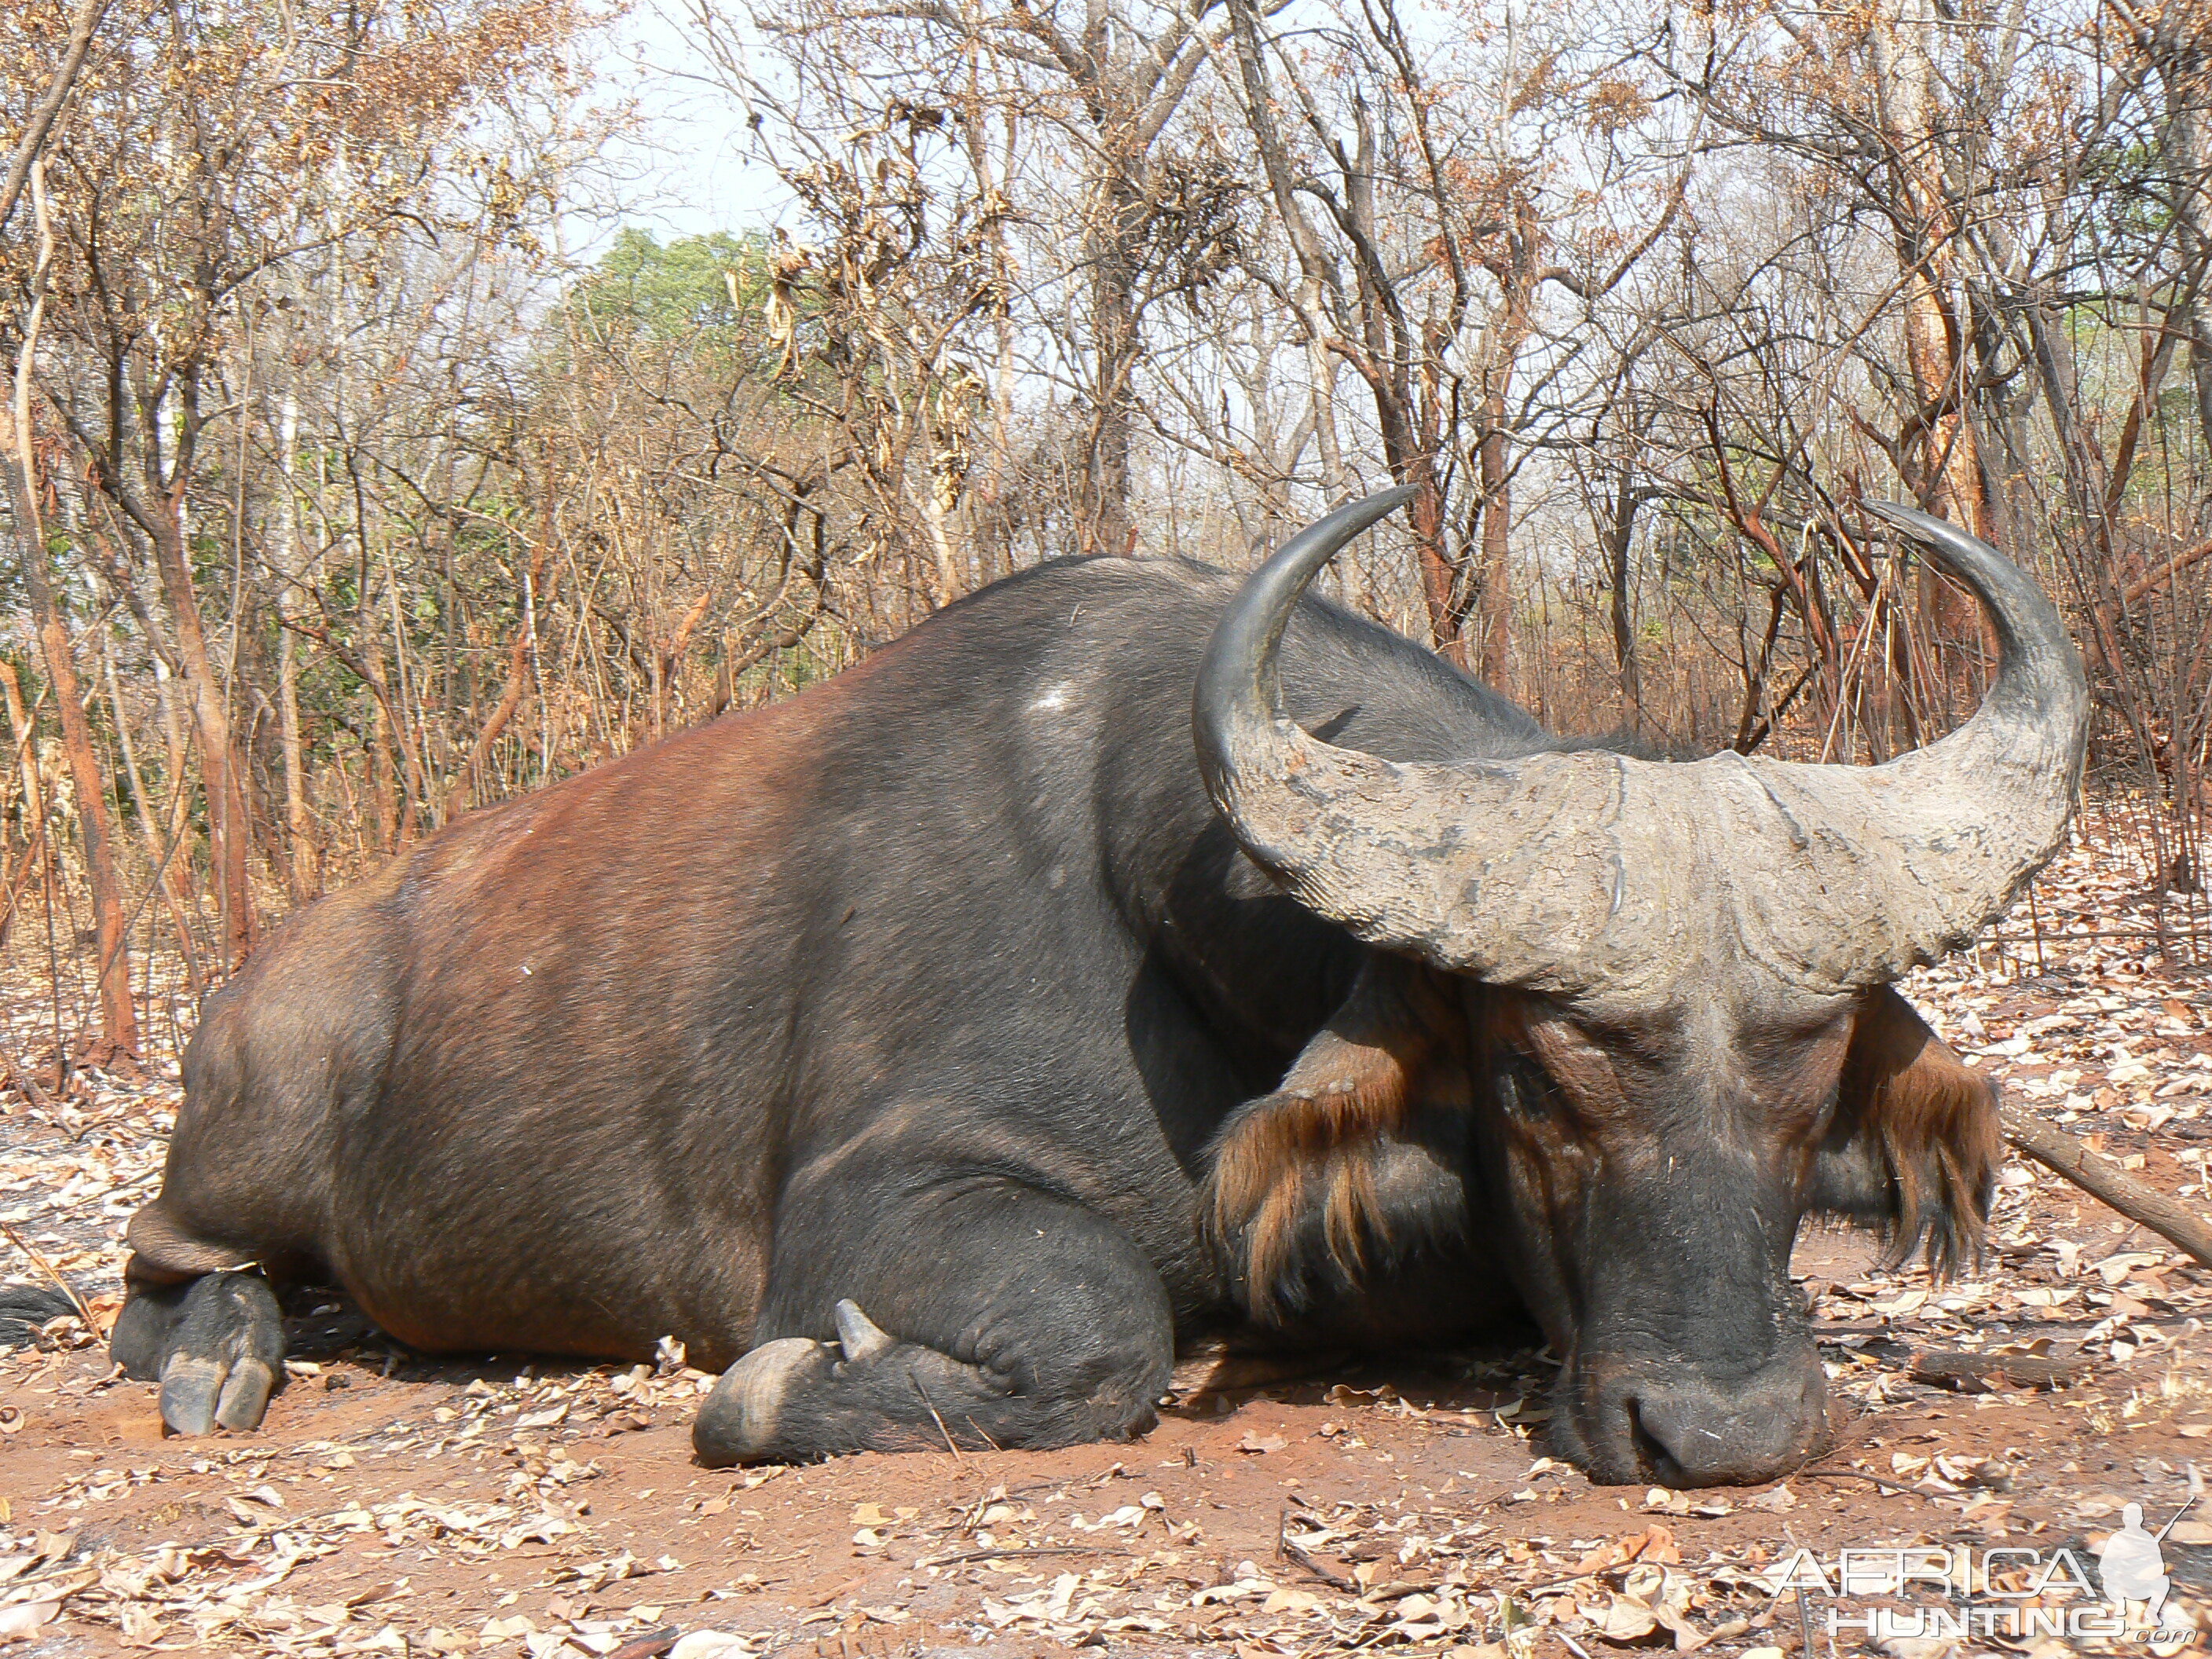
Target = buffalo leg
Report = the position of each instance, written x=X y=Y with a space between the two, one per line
x=217 y=1343
x=1007 y=1318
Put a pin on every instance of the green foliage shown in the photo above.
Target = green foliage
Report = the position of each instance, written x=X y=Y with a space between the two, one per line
x=2133 y=206
x=696 y=289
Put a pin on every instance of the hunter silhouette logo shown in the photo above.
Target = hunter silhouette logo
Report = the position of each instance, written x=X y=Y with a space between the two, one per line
x=2131 y=1563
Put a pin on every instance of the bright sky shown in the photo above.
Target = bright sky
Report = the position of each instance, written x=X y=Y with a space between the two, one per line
x=683 y=174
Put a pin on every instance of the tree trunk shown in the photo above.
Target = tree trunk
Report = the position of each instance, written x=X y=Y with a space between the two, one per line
x=1427 y=513
x=1495 y=662
x=2185 y=65
x=119 y=1015
x=12 y=875
x=1620 y=538
x=383 y=776
x=1104 y=514
x=160 y=859
x=229 y=824
x=1511 y=321
x=300 y=860
x=1941 y=438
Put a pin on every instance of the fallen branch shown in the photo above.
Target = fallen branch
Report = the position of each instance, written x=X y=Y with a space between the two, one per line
x=2105 y=1181
x=1980 y=1373
x=1860 y=1474
x=1015 y=1552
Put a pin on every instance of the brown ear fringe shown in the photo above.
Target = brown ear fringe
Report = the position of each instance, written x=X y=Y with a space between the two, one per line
x=1314 y=1139
x=1937 y=1122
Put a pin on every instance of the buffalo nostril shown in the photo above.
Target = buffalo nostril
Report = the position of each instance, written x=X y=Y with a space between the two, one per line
x=1653 y=1459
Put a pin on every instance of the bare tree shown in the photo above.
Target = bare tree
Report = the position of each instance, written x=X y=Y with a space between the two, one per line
x=118 y=1017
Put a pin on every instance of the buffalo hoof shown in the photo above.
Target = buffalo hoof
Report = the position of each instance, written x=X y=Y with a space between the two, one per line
x=793 y=1398
x=200 y=1395
x=737 y=1424
x=860 y=1336
x=217 y=1345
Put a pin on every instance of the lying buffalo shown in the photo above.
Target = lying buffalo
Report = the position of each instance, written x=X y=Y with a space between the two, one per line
x=964 y=990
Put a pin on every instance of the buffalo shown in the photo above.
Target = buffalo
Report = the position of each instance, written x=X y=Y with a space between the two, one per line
x=931 y=1051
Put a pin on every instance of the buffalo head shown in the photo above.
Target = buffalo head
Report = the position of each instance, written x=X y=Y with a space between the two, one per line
x=1658 y=995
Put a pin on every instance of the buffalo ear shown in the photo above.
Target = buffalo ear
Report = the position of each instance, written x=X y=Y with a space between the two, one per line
x=1307 y=1152
x=1917 y=1140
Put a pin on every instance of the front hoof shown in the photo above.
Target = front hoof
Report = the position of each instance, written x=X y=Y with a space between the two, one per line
x=222 y=1353
x=200 y=1396
x=737 y=1424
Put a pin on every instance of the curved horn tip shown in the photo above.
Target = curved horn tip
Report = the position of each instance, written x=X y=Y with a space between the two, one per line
x=1341 y=524
x=1923 y=527
x=1899 y=514
x=2035 y=650
x=1950 y=544
x=1235 y=694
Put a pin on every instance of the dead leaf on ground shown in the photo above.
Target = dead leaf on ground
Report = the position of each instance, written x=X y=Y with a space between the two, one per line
x=26 y=1618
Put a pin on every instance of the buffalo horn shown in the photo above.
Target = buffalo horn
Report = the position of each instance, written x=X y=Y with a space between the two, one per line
x=1583 y=872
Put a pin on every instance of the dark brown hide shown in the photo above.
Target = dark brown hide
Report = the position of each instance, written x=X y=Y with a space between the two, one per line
x=542 y=1003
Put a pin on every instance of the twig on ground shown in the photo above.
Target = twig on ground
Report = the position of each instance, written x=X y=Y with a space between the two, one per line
x=1970 y=1373
x=1301 y=1557
x=1860 y=1474
x=37 y=1259
x=1011 y=1554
